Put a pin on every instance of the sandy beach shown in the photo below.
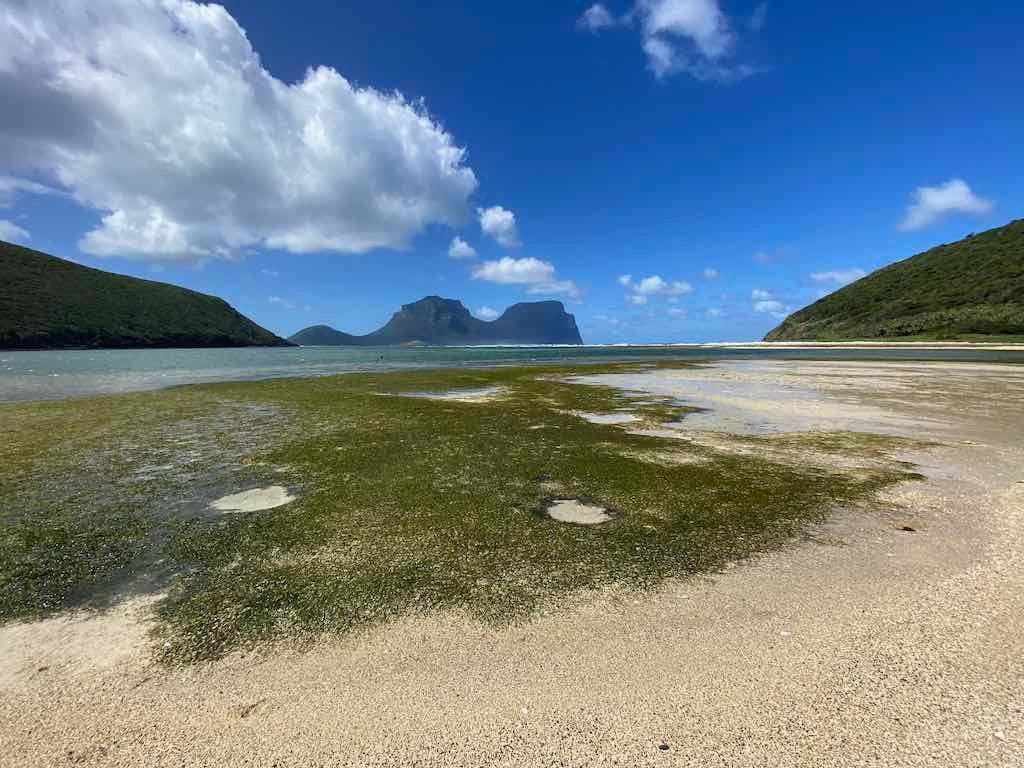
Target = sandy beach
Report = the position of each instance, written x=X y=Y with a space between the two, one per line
x=892 y=635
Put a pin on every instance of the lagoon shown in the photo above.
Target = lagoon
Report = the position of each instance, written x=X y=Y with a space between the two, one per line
x=60 y=374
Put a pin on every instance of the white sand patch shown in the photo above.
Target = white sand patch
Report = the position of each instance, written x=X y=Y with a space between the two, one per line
x=77 y=642
x=254 y=500
x=607 y=418
x=769 y=397
x=477 y=395
x=575 y=511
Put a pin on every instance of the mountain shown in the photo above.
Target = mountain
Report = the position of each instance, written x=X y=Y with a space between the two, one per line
x=433 y=320
x=50 y=303
x=970 y=289
x=323 y=336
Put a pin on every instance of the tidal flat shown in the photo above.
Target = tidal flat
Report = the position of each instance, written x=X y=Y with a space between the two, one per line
x=755 y=531
x=412 y=493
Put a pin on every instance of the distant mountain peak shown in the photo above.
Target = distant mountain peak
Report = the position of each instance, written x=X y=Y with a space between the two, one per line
x=441 y=321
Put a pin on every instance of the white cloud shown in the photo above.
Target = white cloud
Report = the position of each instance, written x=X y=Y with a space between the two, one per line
x=500 y=224
x=932 y=203
x=509 y=271
x=758 y=17
x=765 y=302
x=11 y=185
x=460 y=249
x=694 y=37
x=710 y=273
x=655 y=285
x=677 y=312
x=12 y=232
x=768 y=305
x=595 y=18
x=714 y=312
x=838 y=276
x=700 y=22
x=270 y=272
x=538 y=276
x=172 y=129
x=281 y=302
x=488 y=313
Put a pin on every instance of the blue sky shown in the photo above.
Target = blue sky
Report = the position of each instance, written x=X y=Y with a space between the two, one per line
x=734 y=159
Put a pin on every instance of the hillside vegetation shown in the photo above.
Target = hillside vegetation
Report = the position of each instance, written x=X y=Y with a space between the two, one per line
x=50 y=303
x=971 y=289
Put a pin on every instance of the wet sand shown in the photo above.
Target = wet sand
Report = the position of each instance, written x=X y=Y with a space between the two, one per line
x=867 y=645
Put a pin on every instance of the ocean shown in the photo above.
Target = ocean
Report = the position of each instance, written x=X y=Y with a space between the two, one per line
x=58 y=374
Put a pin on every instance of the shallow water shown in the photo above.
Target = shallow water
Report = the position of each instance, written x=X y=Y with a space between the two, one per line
x=72 y=373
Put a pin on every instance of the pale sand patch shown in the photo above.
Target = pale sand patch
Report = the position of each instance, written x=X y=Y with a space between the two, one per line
x=619 y=417
x=254 y=500
x=575 y=511
x=84 y=642
x=754 y=397
x=477 y=395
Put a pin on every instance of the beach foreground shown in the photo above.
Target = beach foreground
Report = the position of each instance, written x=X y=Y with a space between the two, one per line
x=802 y=563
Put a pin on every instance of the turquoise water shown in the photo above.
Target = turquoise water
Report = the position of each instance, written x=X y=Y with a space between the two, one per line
x=74 y=373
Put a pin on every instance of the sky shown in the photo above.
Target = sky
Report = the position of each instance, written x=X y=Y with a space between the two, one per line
x=672 y=170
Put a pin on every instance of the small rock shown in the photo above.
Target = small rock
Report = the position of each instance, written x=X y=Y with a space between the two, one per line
x=663 y=747
x=908 y=529
x=1000 y=735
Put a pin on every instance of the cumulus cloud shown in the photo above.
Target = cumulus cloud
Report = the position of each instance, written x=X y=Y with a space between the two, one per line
x=595 y=18
x=460 y=249
x=768 y=305
x=171 y=127
x=838 y=276
x=933 y=203
x=655 y=285
x=539 y=277
x=677 y=312
x=270 y=272
x=10 y=185
x=694 y=37
x=500 y=224
x=12 y=232
x=714 y=312
x=488 y=313
x=284 y=303
x=710 y=273
x=764 y=301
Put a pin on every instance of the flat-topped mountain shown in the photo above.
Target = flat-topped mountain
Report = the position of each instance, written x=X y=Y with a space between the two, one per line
x=434 y=320
x=50 y=303
x=970 y=289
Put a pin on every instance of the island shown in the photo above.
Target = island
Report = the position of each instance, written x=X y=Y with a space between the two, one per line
x=446 y=322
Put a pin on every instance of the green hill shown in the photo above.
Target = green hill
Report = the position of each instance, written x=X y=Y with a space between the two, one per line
x=971 y=289
x=50 y=303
